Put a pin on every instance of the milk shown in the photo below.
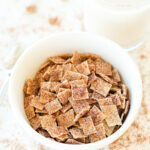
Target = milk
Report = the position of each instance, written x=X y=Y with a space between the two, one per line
x=124 y=21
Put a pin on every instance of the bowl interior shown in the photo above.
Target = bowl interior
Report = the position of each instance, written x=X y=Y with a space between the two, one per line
x=35 y=56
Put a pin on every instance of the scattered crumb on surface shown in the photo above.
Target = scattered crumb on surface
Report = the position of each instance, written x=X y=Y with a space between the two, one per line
x=54 y=21
x=31 y=9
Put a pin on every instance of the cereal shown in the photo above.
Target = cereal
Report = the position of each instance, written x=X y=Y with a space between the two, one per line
x=100 y=86
x=35 y=122
x=115 y=75
x=32 y=87
x=99 y=135
x=47 y=121
x=112 y=116
x=72 y=141
x=35 y=103
x=27 y=100
x=97 y=115
x=66 y=107
x=103 y=67
x=46 y=96
x=75 y=58
x=83 y=68
x=66 y=119
x=57 y=131
x=29 y=112
x=76 y=133
x=76 y=99
x=56 y=75
x=53 y=106
x=64 y=95
x=57 y=60
x=97 y=96
x=87 y=125
x=79 y=91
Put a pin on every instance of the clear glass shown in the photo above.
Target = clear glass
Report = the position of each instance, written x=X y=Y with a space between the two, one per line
x=123 y=21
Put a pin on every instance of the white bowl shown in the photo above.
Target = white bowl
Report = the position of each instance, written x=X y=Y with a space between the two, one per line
x=29 y=63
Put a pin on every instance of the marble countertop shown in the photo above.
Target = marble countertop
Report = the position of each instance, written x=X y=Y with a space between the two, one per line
x=22 y=22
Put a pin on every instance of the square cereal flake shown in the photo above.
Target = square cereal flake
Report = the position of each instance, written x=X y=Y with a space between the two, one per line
x=87 y=125
x=83 y=68
x=100 y=86
x=53 y=106
x=112 y=116
x=66 y=119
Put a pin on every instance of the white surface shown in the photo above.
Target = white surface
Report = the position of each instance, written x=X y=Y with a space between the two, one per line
x=67 y=43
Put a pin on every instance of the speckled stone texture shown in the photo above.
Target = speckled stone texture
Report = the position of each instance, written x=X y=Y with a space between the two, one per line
x=23 y=22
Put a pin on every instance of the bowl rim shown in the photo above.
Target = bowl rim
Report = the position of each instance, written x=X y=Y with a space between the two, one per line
x=47 y=142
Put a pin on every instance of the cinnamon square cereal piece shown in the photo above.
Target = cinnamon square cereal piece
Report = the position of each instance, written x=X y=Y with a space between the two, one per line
x=123 y=101
x=115 y=75
x=97 y=96
x=108 y=79
x=46 y=74
x=100 y=86
x=72 y=141
x=76 y=133
x=35 y=122
x=64 y=84
x=64 y=95
x=44 y=111
x=99 y=135
x=82 y=140
x=92 y=77
x=66 y=107
x=91 y=65
x=35 y=103
x=83 y=68
x=46 y=96
x=45 y=86
x=56 y=75
x=127 y=106
x=116 y=99
x=103 y=67
x=53 y=106
x=43 y=132
x=91 y=101
x=75 y=58
x=32 y=87
x=97 y=115
x=39 y=77
x=57 y=60
x=108 y=130
x=125 y=90
x=80 y=114
x=47 y=121
x=73 y=68
x=112 y=116
x=57 y=131
x=79 y=105
x=53 y=86
x=62 y=138
x=79 y=90
x=105 y=101
x=87 y=125
x=70 y=76
x=29 y=112
x=27 y=100
x=67 y=67
x=66 y=119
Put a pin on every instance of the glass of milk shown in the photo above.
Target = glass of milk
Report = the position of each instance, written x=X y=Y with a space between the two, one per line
x=123 y=21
